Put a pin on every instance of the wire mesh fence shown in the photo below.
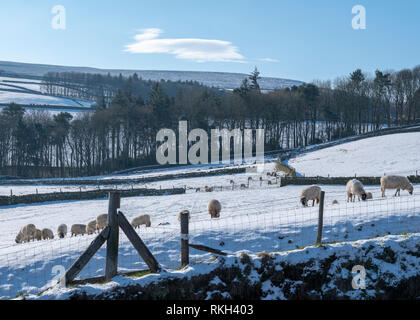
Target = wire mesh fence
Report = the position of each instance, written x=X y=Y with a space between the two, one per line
x=268 y=225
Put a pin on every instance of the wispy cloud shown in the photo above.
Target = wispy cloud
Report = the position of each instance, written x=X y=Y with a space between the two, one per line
x=268 y=60
x=199 y=50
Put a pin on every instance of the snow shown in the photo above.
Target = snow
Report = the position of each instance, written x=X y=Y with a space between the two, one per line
x=37 y=99
x=266 y=219
x=367 y=157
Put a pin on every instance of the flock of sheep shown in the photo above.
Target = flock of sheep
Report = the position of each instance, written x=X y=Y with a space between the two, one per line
x=355 y=188
x=30 y=232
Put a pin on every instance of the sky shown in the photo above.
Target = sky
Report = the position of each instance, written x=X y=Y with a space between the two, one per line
x=295 y=39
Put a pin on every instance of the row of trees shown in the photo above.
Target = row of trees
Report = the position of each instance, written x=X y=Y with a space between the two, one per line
x=121 y=133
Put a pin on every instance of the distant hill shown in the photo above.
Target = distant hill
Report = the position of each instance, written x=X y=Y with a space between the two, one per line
x=223 y=80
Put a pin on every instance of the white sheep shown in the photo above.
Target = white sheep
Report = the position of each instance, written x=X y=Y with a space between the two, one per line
x=91 y=227
x=47 y=234
x=214 y=207
x=78 y=229
x=38 y=234
x=396 y=182
x=101 y=221
x=310 y=193
x=143 y=219
x=62 y=231
x=184 y=212
x=26 y=233
x=355 y=188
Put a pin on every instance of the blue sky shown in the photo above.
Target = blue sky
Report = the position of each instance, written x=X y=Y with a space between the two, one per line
x=295 y=39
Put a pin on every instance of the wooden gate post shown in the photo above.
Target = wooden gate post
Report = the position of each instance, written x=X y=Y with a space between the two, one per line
x=320 y=218
x=185 y=254
x=111 y=267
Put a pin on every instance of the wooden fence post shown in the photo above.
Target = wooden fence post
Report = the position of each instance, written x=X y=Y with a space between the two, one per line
x=320 y=218
x=185 y=254
x=111 y=267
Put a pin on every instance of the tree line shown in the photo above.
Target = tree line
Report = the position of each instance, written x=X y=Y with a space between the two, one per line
x=121 y=132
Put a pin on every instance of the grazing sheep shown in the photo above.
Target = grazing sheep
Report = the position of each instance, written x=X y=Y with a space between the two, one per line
x=396 y=182
x=47 y=234
x=38 y=235
x=62 y=231
x=310 y=193
x=243 y=186
x=369 y=195
x=91 y=227
x=183 y=212
x=197 y=189
x=78 y=229
x=214 y=207
x=335 y=202
x=26 y=233
x=101 y=221
x=355 y=188
x=143 y=219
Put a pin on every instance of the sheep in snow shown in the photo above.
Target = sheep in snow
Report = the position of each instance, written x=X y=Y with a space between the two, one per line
x=143 y=219
x=38 y=235
x=369 y=195
x=26 y=233
x=310 y=193
x=184 y=212
x=214 y=207
x=355 y=188
x=47 y=234
x=78 y=229
x=62 y=231
x=101 y=221
x=396 y=182
x=91 y=227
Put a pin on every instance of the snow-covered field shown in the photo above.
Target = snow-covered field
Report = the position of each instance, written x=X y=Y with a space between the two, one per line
x=389 y=154
x=261 y=218
x=266 y=219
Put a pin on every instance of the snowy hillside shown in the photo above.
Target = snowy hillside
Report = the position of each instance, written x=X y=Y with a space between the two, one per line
x=224 y=80
x=389 y=154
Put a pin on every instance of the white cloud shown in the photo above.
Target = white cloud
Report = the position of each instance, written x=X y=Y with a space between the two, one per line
x=199 y=50
x=268 y=60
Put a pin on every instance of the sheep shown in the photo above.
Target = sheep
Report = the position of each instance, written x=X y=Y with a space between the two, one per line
x=78 y=229
x=335 y=202
x=38 y=234
x=101 y=221
x=143 y=219
x=310 y=193
x=214 y=207
x=396 y=182
x=208 y=189
x=91 y=227
x=26 y=233
x=369 y=195
x=62 y=231
x=184 y=212
x=47 y=234
x=355 y=188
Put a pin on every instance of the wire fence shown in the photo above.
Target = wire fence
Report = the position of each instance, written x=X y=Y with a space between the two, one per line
x=269 y=225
